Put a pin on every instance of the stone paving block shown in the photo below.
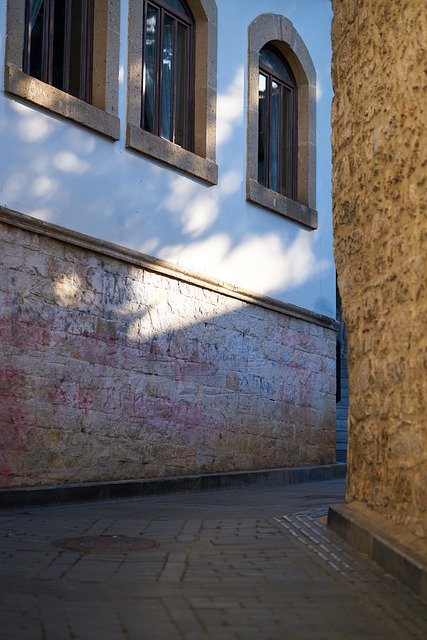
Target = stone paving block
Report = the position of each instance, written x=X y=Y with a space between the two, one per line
x=266 y=582
x=86 y=570
x=183 y=616
x=52 y=613
x=146 y=618
x=86 y=620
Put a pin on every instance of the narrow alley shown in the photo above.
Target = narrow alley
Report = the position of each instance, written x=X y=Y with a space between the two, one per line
x=255 y=564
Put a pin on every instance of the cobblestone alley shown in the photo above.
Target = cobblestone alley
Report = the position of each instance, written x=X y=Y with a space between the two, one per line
x=255 y=564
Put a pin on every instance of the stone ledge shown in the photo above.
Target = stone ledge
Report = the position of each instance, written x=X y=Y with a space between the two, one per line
x=260 y=195
x=398 y=552
x=171 y=154
x=156 y=265
x=63 y=104
x=94 y=491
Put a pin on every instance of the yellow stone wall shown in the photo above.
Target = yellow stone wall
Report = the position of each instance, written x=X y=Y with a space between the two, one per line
x=380 y=224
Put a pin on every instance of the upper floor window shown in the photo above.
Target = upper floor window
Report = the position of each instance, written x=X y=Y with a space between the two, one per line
x=58 y=44
x=281 y=131
x=63 y=56
x=168 y=72
x=171 y=101
x=277 y=142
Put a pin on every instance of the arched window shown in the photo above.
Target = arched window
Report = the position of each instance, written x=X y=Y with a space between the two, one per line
x=277 y=135
x=58 y=44
x=167 y=88
x=281 y=131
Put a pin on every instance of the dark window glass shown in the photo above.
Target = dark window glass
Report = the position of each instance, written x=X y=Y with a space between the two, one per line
x=150 y=57
x=275 y=136
x=76 y=46
x=178 y=6
x=271 y=61
x=35 y=38
x=58 y=52
x=167 y=77
x=58 y=44
x=289 y=141
x=277 y=124
x=182 y=69
x=263 y=107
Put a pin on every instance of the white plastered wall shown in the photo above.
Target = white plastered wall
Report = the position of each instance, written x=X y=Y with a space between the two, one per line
x=67 y=175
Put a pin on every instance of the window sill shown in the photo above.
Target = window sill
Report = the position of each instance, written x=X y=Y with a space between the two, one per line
x=280 y=204
x=61 y=103
x=171 y=154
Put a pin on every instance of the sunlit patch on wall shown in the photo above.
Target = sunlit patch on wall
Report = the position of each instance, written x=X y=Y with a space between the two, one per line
x=199 y=215
x=33 y=127
x=67 y=288
x=42 y=214
x=230 y=107
x=257 y=263
x=69 y=163
x=80 y=141
x=42 y=187
x=230 y=183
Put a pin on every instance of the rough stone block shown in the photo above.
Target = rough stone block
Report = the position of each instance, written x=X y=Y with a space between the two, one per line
x=112 y=372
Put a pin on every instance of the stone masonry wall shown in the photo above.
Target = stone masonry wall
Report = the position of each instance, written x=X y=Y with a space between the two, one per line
x=109 y=371
x=380 y=224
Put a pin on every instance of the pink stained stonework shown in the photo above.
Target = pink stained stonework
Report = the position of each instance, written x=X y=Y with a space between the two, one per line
x=109 y=371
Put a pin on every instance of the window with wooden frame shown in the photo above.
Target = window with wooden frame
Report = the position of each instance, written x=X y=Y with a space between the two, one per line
x=277 y=129
x=168 y=76
x=281 y=121
x=171 y=105
x=58 y=44
x=63 y=56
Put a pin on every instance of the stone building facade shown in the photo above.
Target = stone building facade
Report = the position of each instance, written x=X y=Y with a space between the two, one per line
x=162 y=313
x=380 y=230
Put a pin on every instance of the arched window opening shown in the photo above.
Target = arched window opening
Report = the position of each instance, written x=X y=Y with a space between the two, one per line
x=58 y=45
x=281 y=132
x=168 y=72
x=277 y=130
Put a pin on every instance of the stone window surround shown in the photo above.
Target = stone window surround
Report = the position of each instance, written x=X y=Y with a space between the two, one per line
x=202 y=163
x=281 y=33
x=100 y=116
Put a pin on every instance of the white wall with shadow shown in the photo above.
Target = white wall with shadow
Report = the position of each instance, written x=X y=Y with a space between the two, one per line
x=59 y=172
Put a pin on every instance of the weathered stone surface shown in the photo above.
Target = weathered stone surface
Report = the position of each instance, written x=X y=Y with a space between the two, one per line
x=113 y=372
x=380 y=226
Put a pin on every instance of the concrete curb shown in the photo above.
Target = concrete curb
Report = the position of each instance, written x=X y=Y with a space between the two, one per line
x=399 y=553
x=93 y=491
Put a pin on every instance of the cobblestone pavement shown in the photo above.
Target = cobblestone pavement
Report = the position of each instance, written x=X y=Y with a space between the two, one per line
x=253 y=564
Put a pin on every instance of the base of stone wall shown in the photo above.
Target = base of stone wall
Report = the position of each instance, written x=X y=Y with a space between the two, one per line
x=92 y=491
x=398 y=552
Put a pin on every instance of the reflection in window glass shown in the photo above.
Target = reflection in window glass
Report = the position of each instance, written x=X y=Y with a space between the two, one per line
x=150 y=53
x=275 y=137
x=36 y=20
x=167 y=78
x=75 y=46
x=177 y=5
x=287 y=141
x=277 y=125
x=271 y=61
x=261 y=129
x=58 y=44
x=182 y=72
x=168 y=58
